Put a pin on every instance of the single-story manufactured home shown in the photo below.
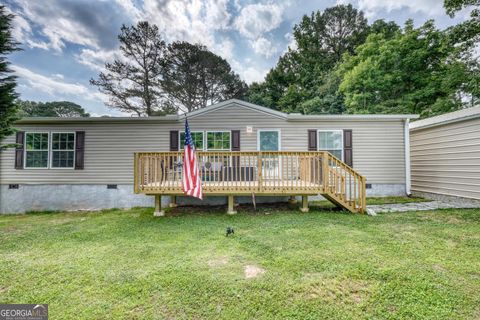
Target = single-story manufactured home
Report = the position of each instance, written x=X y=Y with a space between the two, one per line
x=244 y=150
x=445 y=155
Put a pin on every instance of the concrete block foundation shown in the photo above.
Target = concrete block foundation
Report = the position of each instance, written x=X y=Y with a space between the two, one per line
x=69 y=197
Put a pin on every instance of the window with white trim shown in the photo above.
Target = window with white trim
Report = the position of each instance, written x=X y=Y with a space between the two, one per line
x=36 y=150
x=218 y=140
x=331 y=141
x=197 y=137
x=63 y=149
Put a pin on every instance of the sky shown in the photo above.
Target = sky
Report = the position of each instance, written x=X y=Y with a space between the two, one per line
x=67 y=42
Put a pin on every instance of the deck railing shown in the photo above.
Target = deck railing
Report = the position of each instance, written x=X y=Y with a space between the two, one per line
x=262 y=173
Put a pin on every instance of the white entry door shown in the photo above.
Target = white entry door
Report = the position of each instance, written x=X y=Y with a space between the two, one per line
x=269 y=140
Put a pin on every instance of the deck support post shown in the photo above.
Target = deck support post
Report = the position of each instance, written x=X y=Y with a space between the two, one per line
x=230 y=209
x=158 y=206
x=173 y=202
x=292 y=200
x=304 y=207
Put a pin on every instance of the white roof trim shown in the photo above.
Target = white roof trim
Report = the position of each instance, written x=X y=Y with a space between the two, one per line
x=358 y=117
x=460 y=115
x=33 y=120
x=221 y=105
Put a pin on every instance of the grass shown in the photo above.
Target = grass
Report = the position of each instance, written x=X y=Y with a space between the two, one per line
x=126 y=264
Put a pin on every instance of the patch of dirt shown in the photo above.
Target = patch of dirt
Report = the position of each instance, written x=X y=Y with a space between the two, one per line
x=439 y=268
x=342 y=291
x=217 y=262
x=455 y=220
x=253 y=271
x=11 y=230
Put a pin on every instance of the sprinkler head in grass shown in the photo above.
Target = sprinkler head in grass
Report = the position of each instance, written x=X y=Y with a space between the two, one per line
x=230 y=231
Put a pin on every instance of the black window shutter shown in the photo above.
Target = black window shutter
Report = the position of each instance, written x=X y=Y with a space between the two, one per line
x=235 y=146
x=235 y=140
x=20 y=140
x=79 y=150
x=174 y=140
x=312 y=140
x=347 y=147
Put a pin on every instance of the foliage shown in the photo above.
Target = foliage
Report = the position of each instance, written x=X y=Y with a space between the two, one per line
x=452 y=6
x=120 y=264
x=303 y=80
x=342 y=64
x=50 y=109
x=153 y=78
x=413 y=72
x=194 y=77
x=466 y=37
x=8 y=109
x=132 y=82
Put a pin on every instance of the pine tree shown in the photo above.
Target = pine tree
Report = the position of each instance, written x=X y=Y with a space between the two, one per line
x=8 y=108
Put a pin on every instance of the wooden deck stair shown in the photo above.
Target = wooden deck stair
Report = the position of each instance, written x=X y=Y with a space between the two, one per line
x=276 y=173
x=345 y=187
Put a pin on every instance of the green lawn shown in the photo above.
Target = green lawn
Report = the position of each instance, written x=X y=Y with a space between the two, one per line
x=324 y=264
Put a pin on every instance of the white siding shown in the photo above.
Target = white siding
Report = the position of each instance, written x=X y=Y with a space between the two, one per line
x=378 y=148
x=446 y=159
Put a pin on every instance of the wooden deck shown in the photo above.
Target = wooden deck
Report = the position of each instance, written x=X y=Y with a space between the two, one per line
x=242 y=187
x=258 y=173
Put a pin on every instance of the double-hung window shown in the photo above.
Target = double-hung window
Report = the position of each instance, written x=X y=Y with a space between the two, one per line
x=49 y=150
x=218 y=140
x=63 y=149
x=197 y=137
x=331 y=141
x=36 y=150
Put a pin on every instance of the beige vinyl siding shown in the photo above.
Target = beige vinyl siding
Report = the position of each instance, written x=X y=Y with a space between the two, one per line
x=445 y=159
x=378 y=148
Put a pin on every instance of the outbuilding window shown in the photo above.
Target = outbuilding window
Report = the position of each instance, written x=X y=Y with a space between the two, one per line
x=36 y=150
x=331 y=141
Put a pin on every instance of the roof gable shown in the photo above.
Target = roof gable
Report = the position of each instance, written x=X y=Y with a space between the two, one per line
x=235 y=103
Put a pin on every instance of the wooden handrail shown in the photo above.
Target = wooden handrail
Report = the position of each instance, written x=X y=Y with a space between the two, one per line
x=259 y=172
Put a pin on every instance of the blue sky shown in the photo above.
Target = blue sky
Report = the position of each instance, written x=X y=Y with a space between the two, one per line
x=66 y=42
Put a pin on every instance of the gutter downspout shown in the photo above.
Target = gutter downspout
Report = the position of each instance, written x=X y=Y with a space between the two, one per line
x=406 y=135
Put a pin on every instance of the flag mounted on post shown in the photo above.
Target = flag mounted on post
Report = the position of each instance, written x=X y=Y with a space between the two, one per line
x=192 y=183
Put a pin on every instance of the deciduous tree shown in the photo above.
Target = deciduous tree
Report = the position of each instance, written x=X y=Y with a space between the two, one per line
x=59 y=109
x=413 y=72
x=302 y=80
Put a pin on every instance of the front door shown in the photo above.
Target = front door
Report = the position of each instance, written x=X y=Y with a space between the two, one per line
x=269 y=140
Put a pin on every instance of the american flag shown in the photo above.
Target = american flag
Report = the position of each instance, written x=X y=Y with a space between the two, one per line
x=192 y=183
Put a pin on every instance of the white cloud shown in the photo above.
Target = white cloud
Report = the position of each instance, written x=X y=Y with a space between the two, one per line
x=57 y=26
x=248 y=71
x=264 y=47
x=224 y=48
x=193 y=21
x=292 y=43
x=256 y=19
x=370 y=7
x=130 y=9
x=252 y=74
x=96 y=59
x=55 y=87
